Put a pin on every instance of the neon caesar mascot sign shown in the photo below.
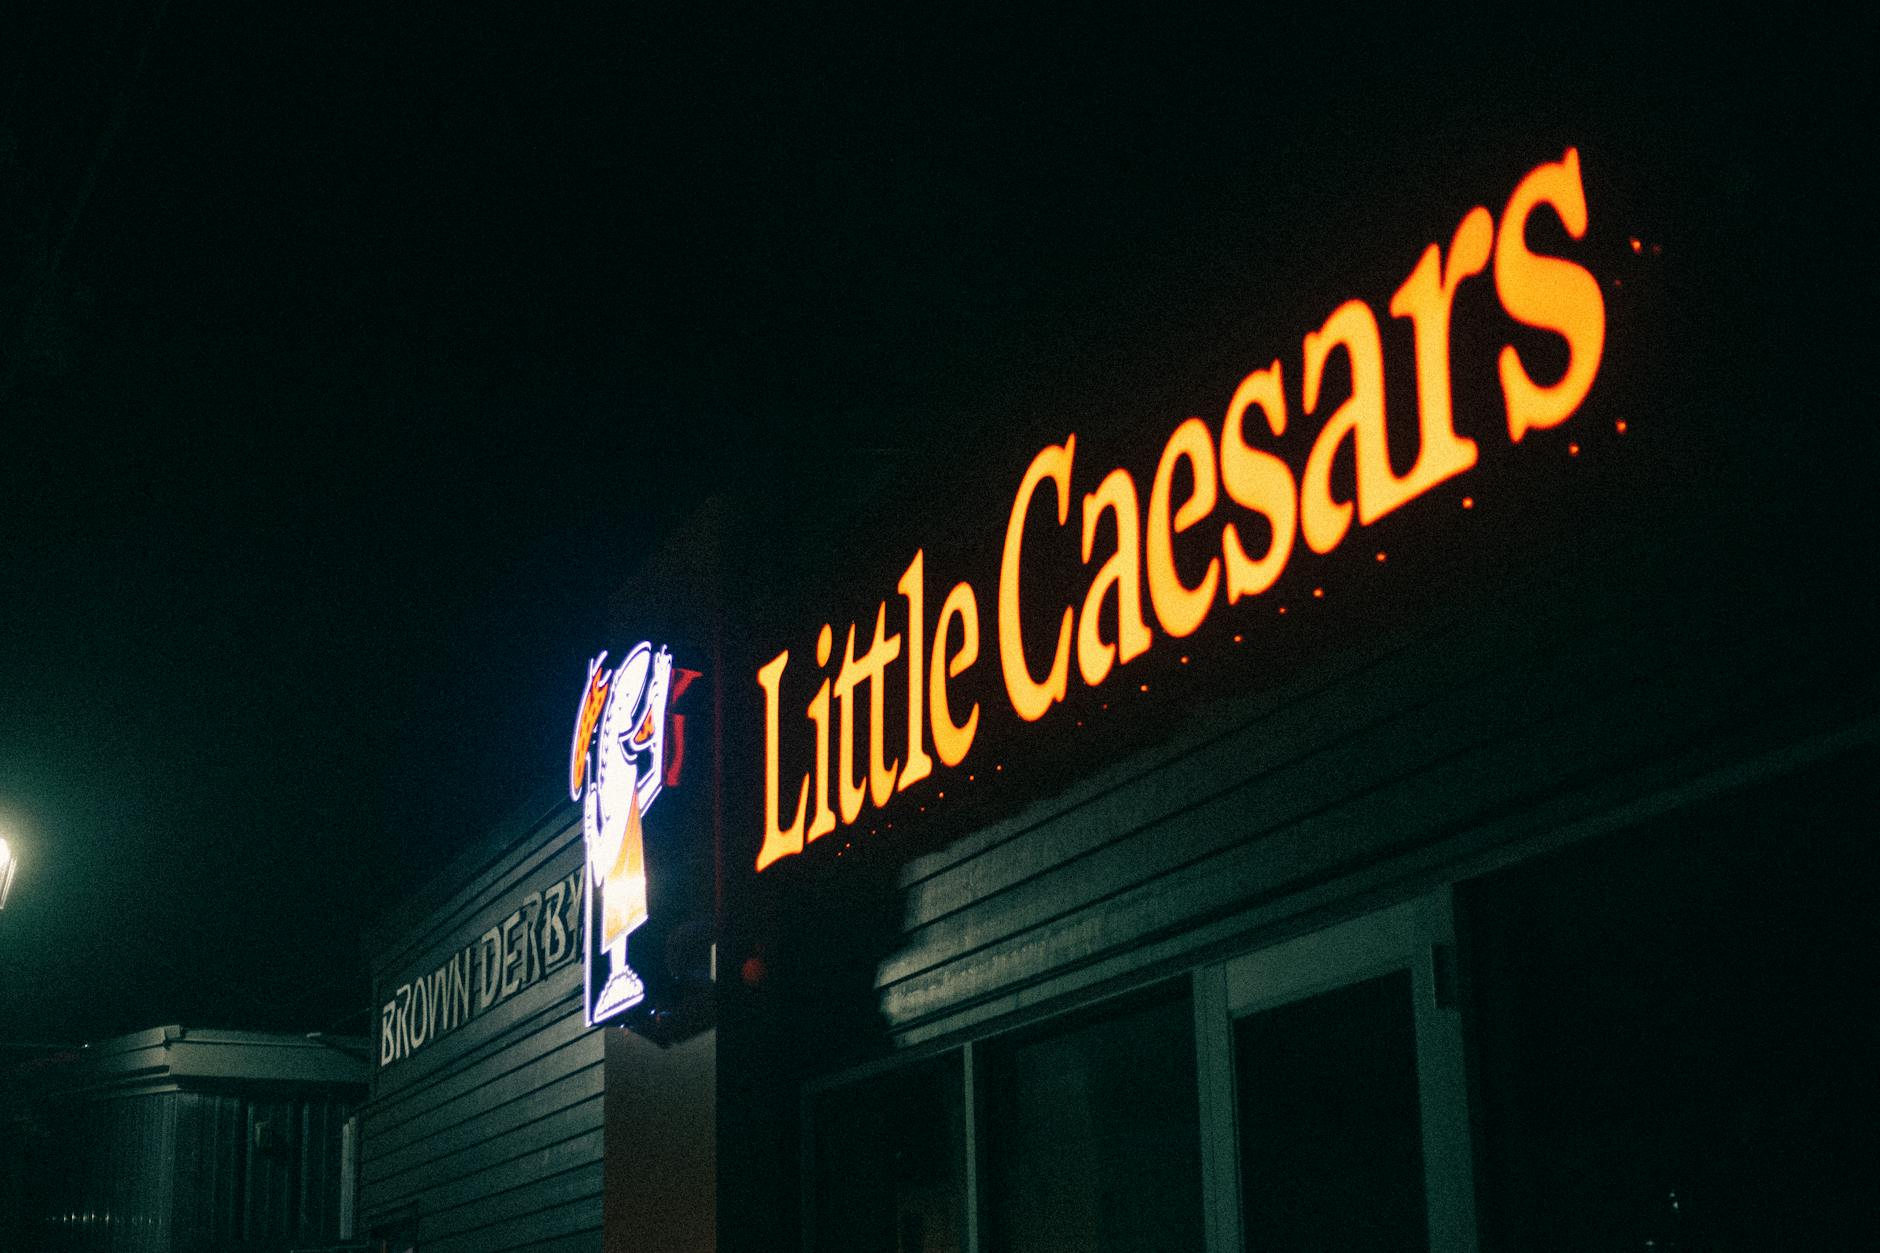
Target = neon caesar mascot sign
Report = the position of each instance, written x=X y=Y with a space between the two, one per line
x=616 y=771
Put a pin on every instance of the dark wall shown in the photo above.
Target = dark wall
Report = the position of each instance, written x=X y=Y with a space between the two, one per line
x=489 y=1137
x=105 y=1160
x=214 y=1172
x=661 y=1144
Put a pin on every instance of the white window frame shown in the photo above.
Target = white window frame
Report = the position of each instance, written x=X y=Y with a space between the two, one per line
x=1416 y=935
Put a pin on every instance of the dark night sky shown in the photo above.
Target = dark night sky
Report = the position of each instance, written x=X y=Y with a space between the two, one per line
x=382 y=336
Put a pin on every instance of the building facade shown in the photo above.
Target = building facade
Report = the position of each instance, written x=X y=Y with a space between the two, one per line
x=1416 y=803
x=498 y=1117
x=518 y=1100
x=1382 y=764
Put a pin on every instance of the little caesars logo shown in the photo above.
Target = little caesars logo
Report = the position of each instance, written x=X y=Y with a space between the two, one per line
x=616 y=769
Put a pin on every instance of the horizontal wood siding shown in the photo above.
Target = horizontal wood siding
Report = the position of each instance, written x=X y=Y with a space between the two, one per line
x=489 y=1135
x=1386 y=769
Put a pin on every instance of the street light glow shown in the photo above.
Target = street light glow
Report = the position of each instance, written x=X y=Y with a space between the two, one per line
x=7 y=865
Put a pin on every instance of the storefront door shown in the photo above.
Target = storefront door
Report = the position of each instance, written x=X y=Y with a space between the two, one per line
x=1333 y=1092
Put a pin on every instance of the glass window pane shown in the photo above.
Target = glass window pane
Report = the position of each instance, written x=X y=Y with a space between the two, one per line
x=1672 y=1029
x=1092 y=1134
x=1331 y=1143
x=890 y=1163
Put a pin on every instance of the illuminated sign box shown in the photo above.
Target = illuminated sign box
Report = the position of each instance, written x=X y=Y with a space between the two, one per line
x=1179 y=548
x=643 y=821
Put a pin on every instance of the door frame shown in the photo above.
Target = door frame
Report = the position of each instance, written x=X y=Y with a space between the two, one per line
x=1417 y=935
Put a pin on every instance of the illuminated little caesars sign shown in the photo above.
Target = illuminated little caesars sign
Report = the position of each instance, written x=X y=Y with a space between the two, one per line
x=541 y=935
x=1547 y=292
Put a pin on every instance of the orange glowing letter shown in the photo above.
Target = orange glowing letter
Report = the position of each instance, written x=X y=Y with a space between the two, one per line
x=881 y=772
x=1030 y=698
x=870 y=666
x=778 y=841
x=1426 y=298
x=1122 y=570
x=823 y=821
x=1180 y=608
x=1353 y=327
x=849 y=793
x=913 y=586
x=1551 y=293
x=951 y=741
x=1258 y=481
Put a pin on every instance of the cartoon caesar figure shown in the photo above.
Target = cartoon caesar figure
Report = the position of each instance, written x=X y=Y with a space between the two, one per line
x=616 y=770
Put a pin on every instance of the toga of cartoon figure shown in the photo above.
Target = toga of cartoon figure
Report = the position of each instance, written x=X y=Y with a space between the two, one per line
x=616 y=770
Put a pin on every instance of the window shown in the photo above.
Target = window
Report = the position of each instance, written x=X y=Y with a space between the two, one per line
x=1672 y=1028
x=1331 y=1138
x=1348 y=1105
x=1091 y=1133
x=890 y=1162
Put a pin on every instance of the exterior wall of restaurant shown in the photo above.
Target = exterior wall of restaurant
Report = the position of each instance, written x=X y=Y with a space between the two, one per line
x=1597 y=741
x=191 y=1139
x=661 y=1153
x=498 y=1119
x=489 y=1135
x=1412 y=770
x=1424 y=758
